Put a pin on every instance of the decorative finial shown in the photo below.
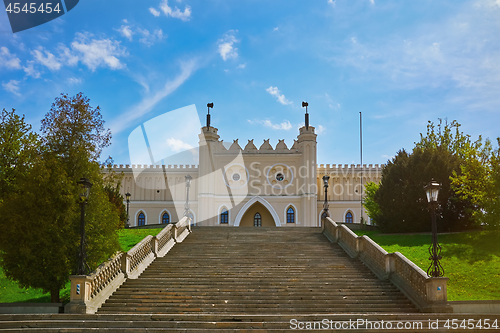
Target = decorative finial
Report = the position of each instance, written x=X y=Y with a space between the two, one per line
x=209 y=105
x=305 y=104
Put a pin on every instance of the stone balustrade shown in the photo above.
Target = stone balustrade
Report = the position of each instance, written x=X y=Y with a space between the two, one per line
x=89 y=292
x=427 y=293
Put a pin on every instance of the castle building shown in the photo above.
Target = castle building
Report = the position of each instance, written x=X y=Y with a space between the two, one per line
x=248 y=186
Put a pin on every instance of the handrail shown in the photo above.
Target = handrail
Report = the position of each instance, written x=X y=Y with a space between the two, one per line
x=429 y=294
x=89 y=292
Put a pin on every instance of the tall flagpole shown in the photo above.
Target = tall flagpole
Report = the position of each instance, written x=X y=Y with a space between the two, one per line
x=361 y=158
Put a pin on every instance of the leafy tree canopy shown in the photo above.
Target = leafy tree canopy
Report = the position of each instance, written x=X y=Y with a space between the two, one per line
x=75 y=131
x=465 y=168
x=369 y=202
x=18 y=146
x=39 y=225
x=401 y=195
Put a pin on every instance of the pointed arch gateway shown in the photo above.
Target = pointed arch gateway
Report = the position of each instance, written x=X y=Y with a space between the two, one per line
x=261 y=206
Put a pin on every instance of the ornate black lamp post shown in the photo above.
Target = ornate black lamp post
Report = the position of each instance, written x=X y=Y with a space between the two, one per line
x=435 y=269
x=325 y=205
x=84 y=195
x=188 y=184
x=127 y=196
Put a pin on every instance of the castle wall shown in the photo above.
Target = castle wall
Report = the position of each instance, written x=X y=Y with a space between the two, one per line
x=233 y=178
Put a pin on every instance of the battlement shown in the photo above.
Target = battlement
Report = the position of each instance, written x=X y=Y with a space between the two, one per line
x=156 y=167
x=333 y=167
x=265 y=147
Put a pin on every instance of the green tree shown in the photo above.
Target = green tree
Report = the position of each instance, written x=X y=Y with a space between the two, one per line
x=401 y=195
x=369 y=202
x=112 y=184
x=39 y=229
x=74 y=131
x=18 y=146
x=492 y=201
x=478 y=181
x=465 y=168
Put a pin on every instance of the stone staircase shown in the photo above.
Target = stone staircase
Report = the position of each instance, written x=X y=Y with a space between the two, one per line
x=249 y=279
x=257 y=271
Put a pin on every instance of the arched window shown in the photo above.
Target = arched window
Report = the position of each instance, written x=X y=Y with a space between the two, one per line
x=257 y=220
x=141 y=219
x=348 y=217
x=165 y=218
x=290 y=215
x=224 y=216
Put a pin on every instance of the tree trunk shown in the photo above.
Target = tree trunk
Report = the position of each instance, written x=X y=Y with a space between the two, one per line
x=54 y=295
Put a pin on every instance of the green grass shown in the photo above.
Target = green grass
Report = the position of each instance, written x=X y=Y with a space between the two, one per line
x=471 y=260
x=11 y=292
x=129 y=237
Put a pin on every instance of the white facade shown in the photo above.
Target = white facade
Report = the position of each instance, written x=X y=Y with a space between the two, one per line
x=248 y=186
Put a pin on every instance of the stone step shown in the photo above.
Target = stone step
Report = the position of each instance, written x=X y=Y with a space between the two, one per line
x=229 y=323
x=252 y=294
x=232 y=271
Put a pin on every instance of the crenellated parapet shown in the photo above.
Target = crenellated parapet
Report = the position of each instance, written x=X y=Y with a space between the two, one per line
x=155 y=167
x=347 y=181
x=369 y=172
x=251 y=148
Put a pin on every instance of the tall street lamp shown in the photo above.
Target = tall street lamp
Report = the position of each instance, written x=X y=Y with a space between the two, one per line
x=188 y=184
x=127 y=196
x=85 y=185
x=435 y=269
x=325 y=205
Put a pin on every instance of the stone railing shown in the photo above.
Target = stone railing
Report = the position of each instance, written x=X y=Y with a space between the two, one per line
x=182 y=229
x=89 y=292
x=427 y=293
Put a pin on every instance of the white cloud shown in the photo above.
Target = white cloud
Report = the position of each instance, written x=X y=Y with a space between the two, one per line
x=74 y=80
x=143 y=107
x=320 y=129
x=332 y=2
x=241 y=66
x=49 y=60
x=98 y=52
x=9 y=60
x=458 y=53
x=150 y=38
x=126 y=32
x=178 y=145
x=66 y=56
x=176 y=12
x=226 y=48
x=331 y=103
x=30 y=70
x=154 y=12
x=12 y=86
x=276 y=29
x=274 y=91
x=285 y=125
x=372 y=2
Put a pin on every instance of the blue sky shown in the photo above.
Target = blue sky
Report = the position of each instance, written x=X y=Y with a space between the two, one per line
x=400 y=63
